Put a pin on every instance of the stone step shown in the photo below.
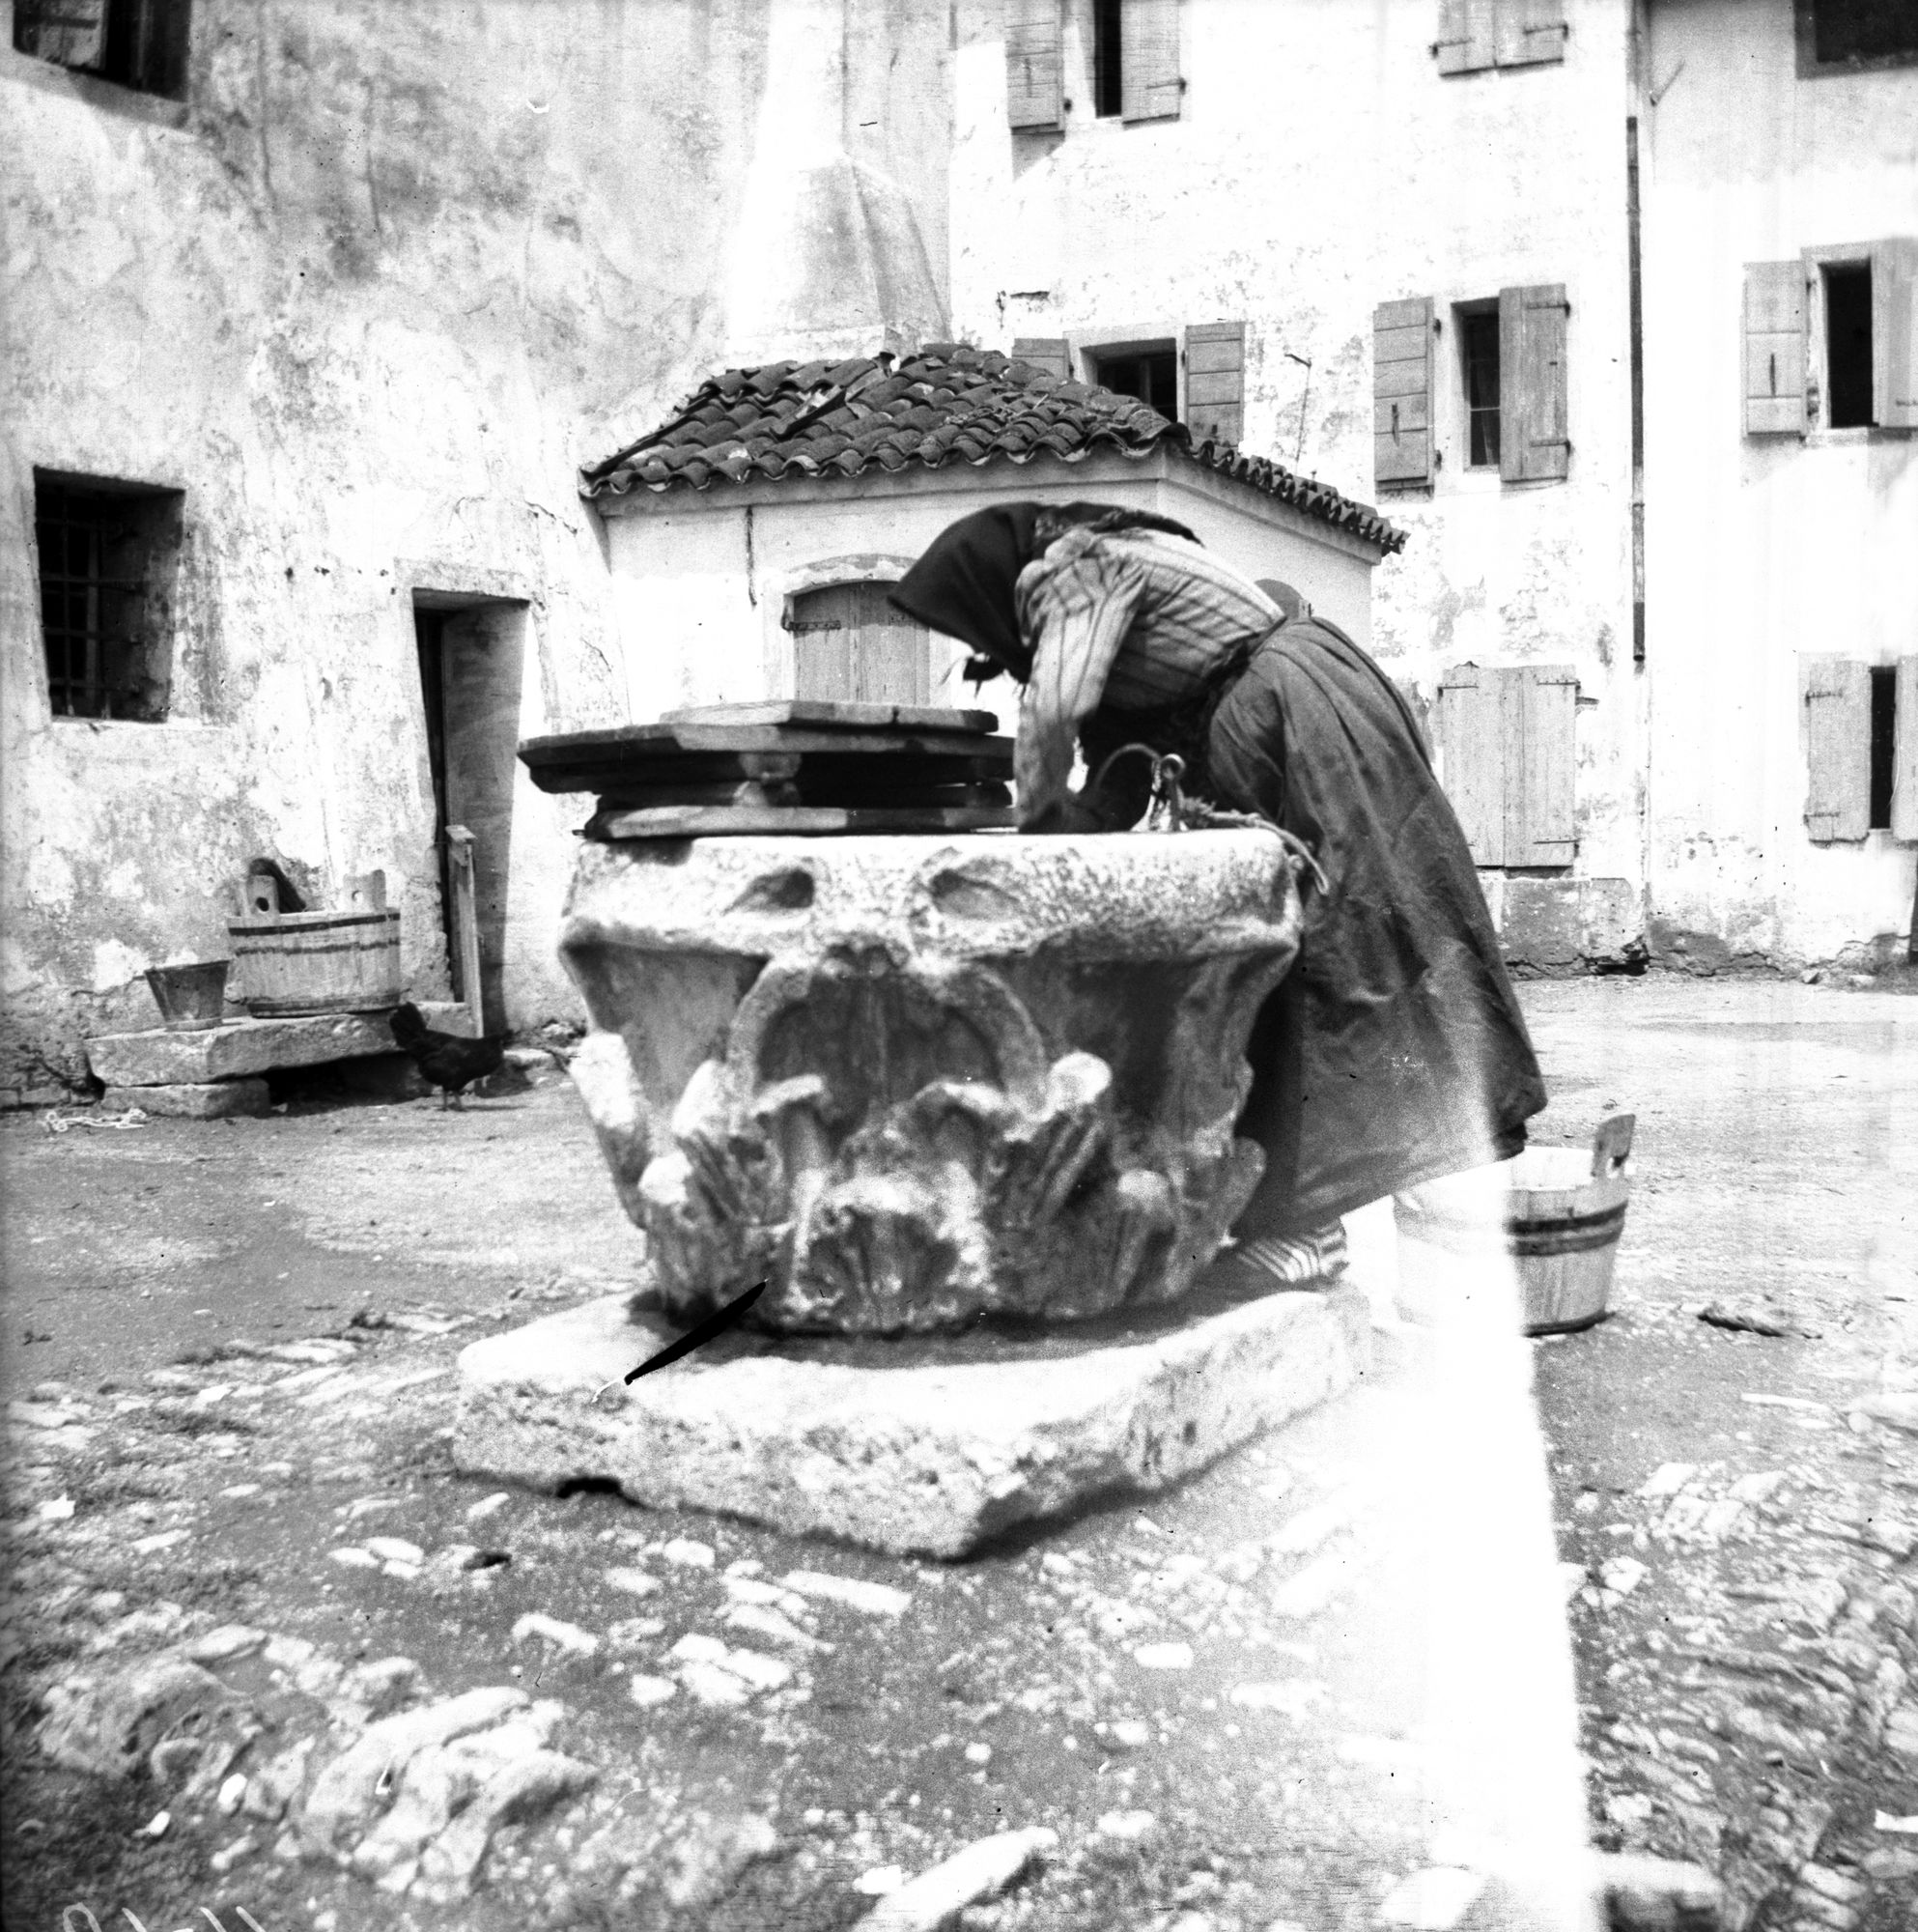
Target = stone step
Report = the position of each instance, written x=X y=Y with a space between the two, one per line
x=241 y=1048
x=193 y=1101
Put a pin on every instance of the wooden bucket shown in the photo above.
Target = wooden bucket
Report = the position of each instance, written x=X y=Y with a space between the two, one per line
x=317 y=962
x=1563 y=1215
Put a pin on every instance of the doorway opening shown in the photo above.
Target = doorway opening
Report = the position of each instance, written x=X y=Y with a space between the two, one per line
x=472 y=663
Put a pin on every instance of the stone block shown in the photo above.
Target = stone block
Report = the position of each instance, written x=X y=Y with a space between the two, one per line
x=193 y=1101
x=243 y=1047
x=1564 y=925
x=920 y=1446
x=909 y=1081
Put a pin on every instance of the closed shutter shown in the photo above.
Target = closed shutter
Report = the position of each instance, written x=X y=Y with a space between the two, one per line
x=1894 y=333
x=1149 y=83
x=1529 y=31
x=1032 y=72
x=1403 y=392
x=1904 y=752
x=1838 y=749
x=1534 y=442
x=1775 y=347
x=1471 y=742
x=72 y=32
x=1539 y=712
x=1051 y=353
x=1468 y=38
x=1215 y=381
x=851 y=645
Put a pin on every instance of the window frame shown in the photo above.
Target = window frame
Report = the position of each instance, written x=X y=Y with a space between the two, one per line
x=1818 y=336
x=1091 y=352
x=156 y=591
x=1482 y=309
x=1804 y=21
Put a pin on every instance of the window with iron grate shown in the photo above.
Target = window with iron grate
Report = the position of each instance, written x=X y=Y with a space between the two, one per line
x=108 y=555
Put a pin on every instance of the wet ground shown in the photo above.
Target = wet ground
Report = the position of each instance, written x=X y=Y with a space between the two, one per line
x=234 y=1345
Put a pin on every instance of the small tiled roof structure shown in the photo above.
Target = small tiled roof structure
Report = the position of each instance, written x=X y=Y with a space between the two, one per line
x=944 y=404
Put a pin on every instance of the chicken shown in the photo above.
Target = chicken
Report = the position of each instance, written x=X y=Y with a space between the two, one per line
x=447 y=1060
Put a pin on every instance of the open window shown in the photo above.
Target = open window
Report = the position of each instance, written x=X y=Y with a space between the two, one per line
x=1132 y=50
x=1197 y=376
x=1148 y=371
x=852 y=646
x=134 y=43
x=1511 y=382
x=109 y=559
x=1831 y=339
x=1136 y=60
x=1861 y=749
x=1854 y=36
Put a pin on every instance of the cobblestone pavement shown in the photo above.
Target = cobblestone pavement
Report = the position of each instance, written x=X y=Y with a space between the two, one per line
x=266 y=1652
x=1742 y=1505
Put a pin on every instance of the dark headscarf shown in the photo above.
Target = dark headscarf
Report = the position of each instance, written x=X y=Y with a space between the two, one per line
x=966 y=581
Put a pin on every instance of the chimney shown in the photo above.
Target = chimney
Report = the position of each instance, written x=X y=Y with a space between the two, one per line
x=826 y=259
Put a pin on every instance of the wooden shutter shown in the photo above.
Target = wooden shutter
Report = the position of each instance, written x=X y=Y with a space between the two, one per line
x=851 y=645
x=1894 y=333
x=1215 y=381
x=1539 y=710
x=1838 y=749
x=72 y=32
x=1468 y=38
x=1403 y=392
x=1507 y=743
x=1033 y=65
x=1051 y=353
x=1472 y=757
x=1534 y=442
x=1529 y=31
x=1904 y=752
x=1149 y=83
x=1775 y=347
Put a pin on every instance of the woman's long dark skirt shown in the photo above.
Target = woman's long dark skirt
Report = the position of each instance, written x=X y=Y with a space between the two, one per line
x=1395 y=1052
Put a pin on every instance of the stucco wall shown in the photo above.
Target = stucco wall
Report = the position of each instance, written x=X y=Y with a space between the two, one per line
x=1761 y=549
x=367 y=298
x=1321 y=165
x=701 y=581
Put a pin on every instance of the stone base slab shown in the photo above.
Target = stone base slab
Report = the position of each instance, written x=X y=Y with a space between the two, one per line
x=918 y=1447
x=241 y=1047
x=197 y=1100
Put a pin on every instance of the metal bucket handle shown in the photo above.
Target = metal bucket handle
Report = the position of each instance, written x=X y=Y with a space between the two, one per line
x=1611 y=1146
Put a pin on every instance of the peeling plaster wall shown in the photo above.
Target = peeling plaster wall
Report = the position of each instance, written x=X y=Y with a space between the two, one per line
x=368 y=298
x=1763 y=548
x=1321 y=165
x=701 y=581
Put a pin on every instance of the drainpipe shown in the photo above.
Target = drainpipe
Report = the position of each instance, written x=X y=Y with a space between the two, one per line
x=1637 y=395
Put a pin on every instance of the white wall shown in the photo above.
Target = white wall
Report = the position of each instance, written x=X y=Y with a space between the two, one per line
x=1321 y=164
x=699 y=602
x=367 y=297
x=1761 y=548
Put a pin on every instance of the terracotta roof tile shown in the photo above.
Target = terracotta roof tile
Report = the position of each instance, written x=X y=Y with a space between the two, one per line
x=946 y=402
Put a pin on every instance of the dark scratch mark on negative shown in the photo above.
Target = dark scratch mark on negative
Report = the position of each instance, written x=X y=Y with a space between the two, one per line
x=715 y=1325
